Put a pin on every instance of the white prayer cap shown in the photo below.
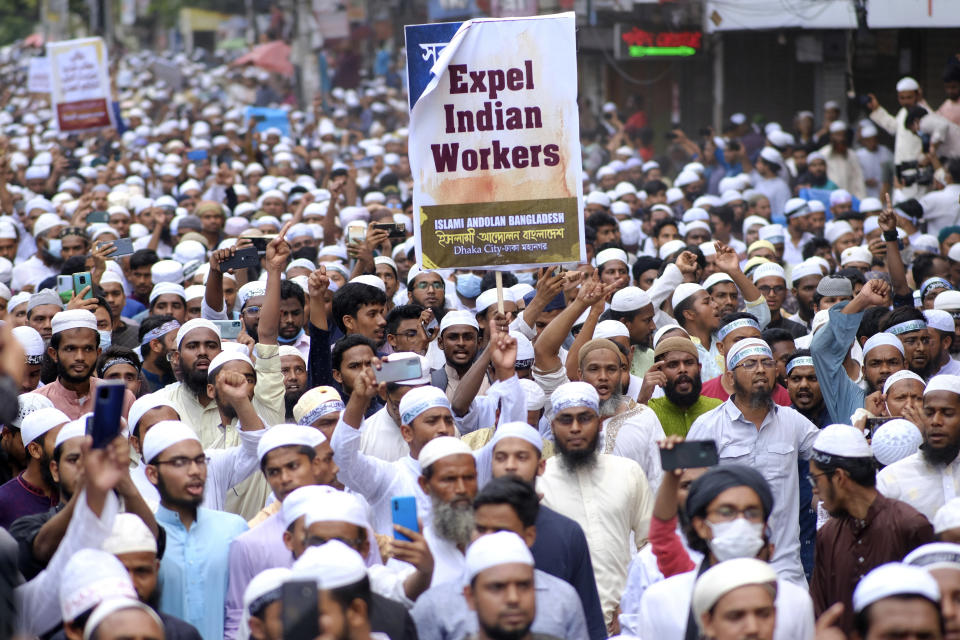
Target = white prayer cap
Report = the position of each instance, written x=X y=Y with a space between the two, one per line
x=837 y=126
x=840 y=196
x=250 y=290
x=696 y=224
x=621 y=208
x=714 y=279
x=287 y=350
x=954 y=252
x=520 y=290
x=458 y=317
x=91 y=576
x=842 y=440
x=288 y=435
x=46 y=222
x=855 y=254
x=226 y=356
x=730 y=195
x=337 y=506
x=747 y=348
x=612 y=254
x=32 y=343
x=945 y=301
x=73 y=319
x=29 y=403
x=146 y=403
x=891 y=580
x=903 y=374
x=907 y=84
x=264 y=588
x=796 y=207
x=947 y=516
x=752 y=221
x=836 y=229
x=39 y=203
x=167 y=271
x=371 y=281
x=722 y=578
x=695 y=213
x=629 y=299
x=194 y=291
x=659 y=333
x=495 y=549
x=384 y=260
x=871 y=224
x=942 y=382
x=895 y=440
x=71 y=430
x=771 y=155
x=773 y=233
x=129 y=535
x=534 y=394
x=611 y=329
x=298 y=502
x=868 y=130
x=489 y=298
x=685 y=178
x=332 y=564
x=525 y=354
x=769 y=270
x=164 y=435
x=939 y=320
x=937 y=555
x=575 y=394
x=820 y=320
x=109 y=606
x=684 y=291
x=21 y=298
x=164 y=288
x=598 y=197
x=674 y=195
x=196 y=323
x=420 y=399
x=870 y=204
x=41 y=421
x=881 y=339
x=520 y=430
x=738 y=118
x=669 y=248
x=441 y=447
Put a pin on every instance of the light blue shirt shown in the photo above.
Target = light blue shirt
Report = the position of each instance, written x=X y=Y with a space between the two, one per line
x=829 y=349
x=193 y=572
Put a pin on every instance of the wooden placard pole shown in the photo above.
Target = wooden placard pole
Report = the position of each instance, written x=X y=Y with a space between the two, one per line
x=499 y=292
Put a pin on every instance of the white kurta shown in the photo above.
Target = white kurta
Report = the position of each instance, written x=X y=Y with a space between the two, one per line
x=923 y=486
x=380 y=437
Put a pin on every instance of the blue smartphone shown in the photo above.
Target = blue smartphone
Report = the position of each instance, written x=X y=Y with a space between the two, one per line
x=197 y=155
x=404 y=512
x=104 y=424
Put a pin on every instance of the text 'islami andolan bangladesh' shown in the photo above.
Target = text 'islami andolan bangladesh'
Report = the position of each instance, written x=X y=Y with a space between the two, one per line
x=492 y=116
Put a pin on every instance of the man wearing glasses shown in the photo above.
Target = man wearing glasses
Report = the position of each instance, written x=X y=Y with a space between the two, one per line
x=427 y=289
x=771 y=280
x=751 y=430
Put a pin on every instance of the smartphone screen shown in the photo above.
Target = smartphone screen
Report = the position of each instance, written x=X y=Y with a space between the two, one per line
x=691 y=454
x=300 y=611
x=401 y=369
x=104 y=425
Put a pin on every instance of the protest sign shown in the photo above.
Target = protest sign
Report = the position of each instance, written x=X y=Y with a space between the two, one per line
x=495 y=145
x=80 y=84
x=268 y=118
x=38 y=75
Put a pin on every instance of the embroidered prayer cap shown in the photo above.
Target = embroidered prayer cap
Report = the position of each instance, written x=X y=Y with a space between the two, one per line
x=316 y=403
x=458 y=317
x=841 y=440
x=575 y=394
x=942 y=382
x=684 y=291
x=898 y=376
x=442 y=447
x=895 y=440
x=39 y=422
x=882 y=339
x=250 y=290
x=129 y=535
x=495 y=549
x=196 y=323
x=747 y=348
x=534 y=394
x=892 y=580
x=73 y=319
x=164 y=435
x=768 y=270
x=835 y=286
x=144 y=404
x=298 y=502
x=525 y=354
x=629 y=299
x=332 y=564
x=421 y=399
x=264 y=588
x=855 y=254
x=520 y=430
x=722 y=578
x=91 y=576
x=936 y=555
x=27 y=404
x=32 y=343
x=288 y=435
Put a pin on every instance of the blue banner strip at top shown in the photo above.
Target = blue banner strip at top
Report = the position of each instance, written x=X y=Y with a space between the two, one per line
x=424 y=44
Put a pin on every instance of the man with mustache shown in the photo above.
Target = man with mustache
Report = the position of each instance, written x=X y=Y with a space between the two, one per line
x=293 y=367
x=676 y=370
x=751 y=430
x=804 y=388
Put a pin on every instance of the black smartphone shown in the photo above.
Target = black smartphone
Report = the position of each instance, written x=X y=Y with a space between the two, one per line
x=242 y=259
x=689 y=454
x=394 y=229
x=300 y=610
x=261 y=242
x=104 y=424
x=97 y=216
x=338 y=173
x=872 y=424
x=124 y=247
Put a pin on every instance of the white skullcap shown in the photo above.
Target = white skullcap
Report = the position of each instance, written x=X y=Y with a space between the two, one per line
x=747 y=348
x=820 y=319
x=71 y=430
x=769 y=270
x=32 y=343
x=458 y=317
x=772 y=233
x=196 y=323
x=288 y=435
x=722 y=578
x=371 y=281
x=903 y=374
x=841 y=440
x=489 y=298
x=855 y=254
x=669 y=248
x=895 y=440
x=287 y=350
x=39 y=422
x=575 y=394
x=659 y=333
x=298 y=502
x=525 y=354
x=167 y=271
x=91 y=576
x=612 y=254
x=264 y=588
x=621 y=208
x=441 y=447
x=894 y=579
x=685 y=178
x=521 y=289
x=771 y=155
x=881 y=339
x=250 y=290
x=695 y=213
x=495 y=549
x=611 y=329
x=520 y=430
x=684 y=291
x=947 y=516
x=796 y=207
x=696 y=224
x=163 y=288
x=332 y=564
x=936 y=555
x=337 y=506
x=46 y=222
x=598 y=197
x=226 y=356
x=907 y=84
x=420 y=399
x=129 y=535
x=714 y=279
x=871 y=224
x=942 y=382
x=146 y=403
x=730 y=195
x=164 y=435
x=534 y=394
x=73 y=319
x=837 y=126
x=194 y=291
x=27 y=403
x=836 y=229
x=945 y=301
x=629 y=299
x=840 y=196
x=112 y=605
x=753 y=221
x=870 y=204
x=387 y=261
x=939 y=320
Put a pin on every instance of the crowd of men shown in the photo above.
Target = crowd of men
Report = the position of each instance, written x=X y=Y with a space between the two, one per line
x=790 y=293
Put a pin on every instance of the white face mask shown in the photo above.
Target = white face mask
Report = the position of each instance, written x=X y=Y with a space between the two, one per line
x=106 y=339
x=736 y=539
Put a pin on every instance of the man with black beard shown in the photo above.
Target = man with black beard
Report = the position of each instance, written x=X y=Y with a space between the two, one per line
x=157 y=337
x=676 y=370
x=750 y=429
x=910 y=326
x=607 y=495
x=293 y=367
x=929 y=478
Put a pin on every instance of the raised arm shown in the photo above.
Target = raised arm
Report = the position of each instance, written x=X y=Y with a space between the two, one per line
x=547 y=347
x=278 y=253
x=585 y=336
x=898 y=273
